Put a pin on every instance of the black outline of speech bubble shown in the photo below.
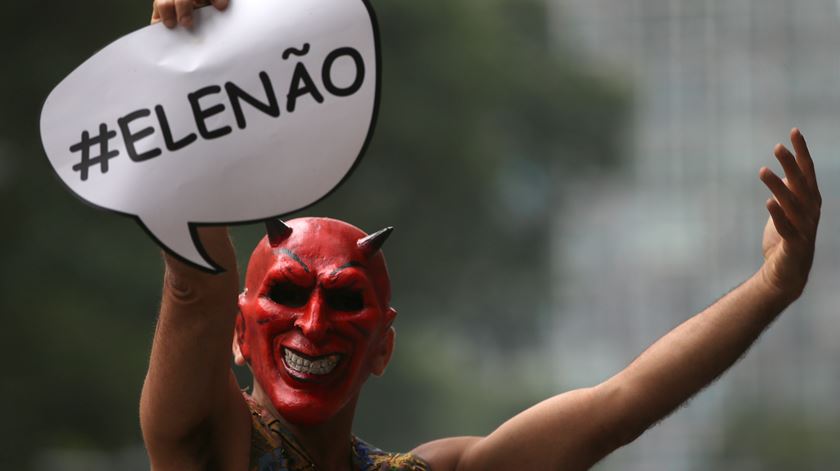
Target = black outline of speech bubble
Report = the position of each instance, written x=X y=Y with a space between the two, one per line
x=193 y=226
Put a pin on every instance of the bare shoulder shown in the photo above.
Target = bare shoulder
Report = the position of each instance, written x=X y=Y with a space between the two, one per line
x=444 y=454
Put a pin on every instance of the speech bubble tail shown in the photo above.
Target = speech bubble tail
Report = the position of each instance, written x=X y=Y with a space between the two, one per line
x=182 y=244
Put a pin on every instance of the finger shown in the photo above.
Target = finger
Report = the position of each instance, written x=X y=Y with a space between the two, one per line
x=166 y=12
x=780 y=220
x=793 y=173
x=183 y=9
x=803 y=155
x=219 y=4
x=786 y=199
x=806 y=163
x=155 y=14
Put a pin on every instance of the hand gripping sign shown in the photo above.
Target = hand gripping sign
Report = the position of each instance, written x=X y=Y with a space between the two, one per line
x=257 y=111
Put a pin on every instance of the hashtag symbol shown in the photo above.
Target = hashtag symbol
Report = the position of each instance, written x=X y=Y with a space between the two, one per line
x=104 y=154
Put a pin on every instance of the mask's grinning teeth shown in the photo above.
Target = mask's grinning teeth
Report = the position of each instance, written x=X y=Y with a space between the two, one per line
x=319 y=366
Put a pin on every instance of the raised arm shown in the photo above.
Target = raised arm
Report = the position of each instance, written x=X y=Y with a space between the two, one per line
x=190 y=398
x=699 y=350
x=575 y=430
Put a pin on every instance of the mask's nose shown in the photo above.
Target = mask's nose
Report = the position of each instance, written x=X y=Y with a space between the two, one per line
x=314 y=321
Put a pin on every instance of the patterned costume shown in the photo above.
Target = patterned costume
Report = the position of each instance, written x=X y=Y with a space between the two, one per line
x=273 y=448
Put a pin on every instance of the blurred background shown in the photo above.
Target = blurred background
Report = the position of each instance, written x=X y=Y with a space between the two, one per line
x=569 y=180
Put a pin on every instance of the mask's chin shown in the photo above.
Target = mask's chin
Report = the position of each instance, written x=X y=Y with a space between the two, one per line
x=308 y=390
x=306 y=408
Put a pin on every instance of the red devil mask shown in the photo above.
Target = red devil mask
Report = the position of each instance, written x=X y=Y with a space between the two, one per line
x=315 y=315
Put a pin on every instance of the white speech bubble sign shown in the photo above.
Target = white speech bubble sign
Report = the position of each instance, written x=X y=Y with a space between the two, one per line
x=254 y=112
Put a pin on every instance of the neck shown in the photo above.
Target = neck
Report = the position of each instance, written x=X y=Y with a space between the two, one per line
x=327 y=444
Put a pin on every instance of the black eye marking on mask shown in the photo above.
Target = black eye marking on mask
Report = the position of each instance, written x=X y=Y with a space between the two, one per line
x=289 y=294
x=344 y=299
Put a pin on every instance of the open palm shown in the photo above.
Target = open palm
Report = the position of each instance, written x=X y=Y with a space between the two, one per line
x=790 y=233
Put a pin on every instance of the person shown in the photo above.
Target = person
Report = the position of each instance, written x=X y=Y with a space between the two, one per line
x=315 y=321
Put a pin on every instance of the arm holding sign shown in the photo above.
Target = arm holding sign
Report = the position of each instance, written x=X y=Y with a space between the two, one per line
x=190 y=398
x=576 y=429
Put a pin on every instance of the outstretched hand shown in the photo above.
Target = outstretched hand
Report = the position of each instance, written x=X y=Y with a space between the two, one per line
x=179 y=12
x=791 y=230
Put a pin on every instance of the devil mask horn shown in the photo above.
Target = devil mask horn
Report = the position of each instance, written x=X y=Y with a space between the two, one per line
x=277 y=231
x=372 y=243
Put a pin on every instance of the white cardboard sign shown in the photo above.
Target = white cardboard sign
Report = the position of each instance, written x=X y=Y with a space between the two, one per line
x=254 y=112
